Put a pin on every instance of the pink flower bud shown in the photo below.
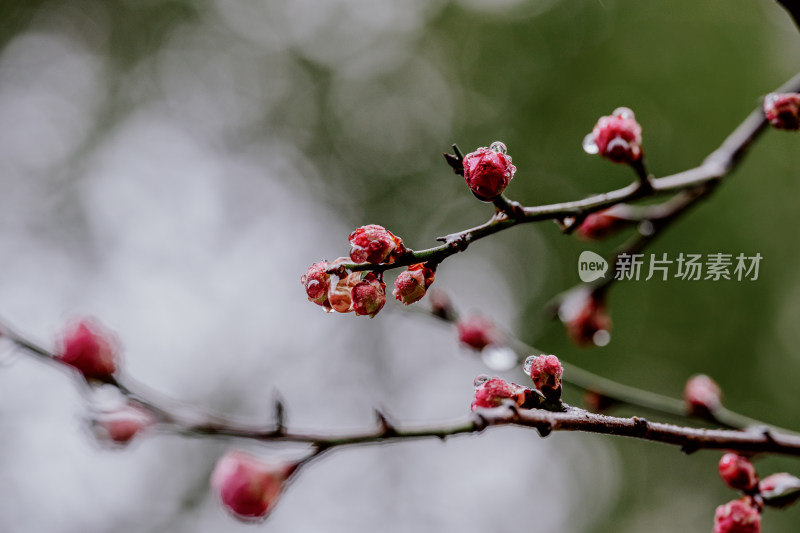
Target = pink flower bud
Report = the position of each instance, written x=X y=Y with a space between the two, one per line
x=441 y=306
x=738 y=472
x=412 y=284
x=546 y=372
x=780 y=490
x=375 y=244
x=247 y=486
x=617 y=137
x=340 y=290
x=490 y=392
x=368 y=295
x=584 y=315
x=477 y=332
x=317 y=282
x=702 y=395
x=602 y=224
x=783 y=110
x=88 y=347
x=738 y=516
x=122 y=425
x=487 y=171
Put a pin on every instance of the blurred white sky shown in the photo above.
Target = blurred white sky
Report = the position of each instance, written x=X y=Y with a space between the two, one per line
x=191 y=249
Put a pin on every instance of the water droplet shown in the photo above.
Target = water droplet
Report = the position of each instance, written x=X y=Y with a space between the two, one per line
x=623 y=112
x=480 y=380
x=498 y=147
x=601 y=338
x=499 y=358
x=646 y=228
x=526 y=366
x=589 y=145
x=771 y=98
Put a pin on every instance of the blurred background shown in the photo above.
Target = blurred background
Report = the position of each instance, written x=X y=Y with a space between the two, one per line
x=172 y=167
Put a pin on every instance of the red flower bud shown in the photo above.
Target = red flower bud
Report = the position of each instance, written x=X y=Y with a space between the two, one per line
x=375 y=244
x=617 y=137
x=738 y=472
x=317 y=282
x=340 y=290
x=441 y=306
x=477 y=332
x=602 y=224
x=122 y=425
x=780 y=490
x=783 y=110
x=702 y=395
x=487 y=171
x=412 y=284
x=738 y=516
x=584 y=315
x=248 y=487
x=490 y=392
x=88 y=347
x=546 y=372
x=368 y=295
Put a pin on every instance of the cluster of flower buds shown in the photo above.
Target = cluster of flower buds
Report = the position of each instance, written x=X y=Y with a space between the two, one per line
x=583 y=312
x=364 y=292
x=247 y=486
x=617 y=137
x=783 y=110
x=120 y=426
x=702 y=396
x=488 y=171
x=89 y=348
x=602 y=224
x=544 y=370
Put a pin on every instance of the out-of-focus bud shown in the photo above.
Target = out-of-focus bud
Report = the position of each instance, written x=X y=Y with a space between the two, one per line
x=412 y=284
x=738 y=516
x=120 y=426
x=783 y=110
x=247 y=486
x=368 y=295
x=317 y=282
x=702 y=395
x=597 y=402
x=375 y=244
x=91 y=349
x=584 y=315
x=477 y=332
x=617 y=137
x=441 y=305
x=546 y=372
x=490 y=392
x=602 y=224
x=779 y=490
x=738 y=472
x=487 y=171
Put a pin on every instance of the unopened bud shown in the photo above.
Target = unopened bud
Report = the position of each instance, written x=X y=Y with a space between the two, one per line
x=738 y=516
x=702 y=395
x=487 y=171
x=375 y=244
x=91 y=349
x=738 y=472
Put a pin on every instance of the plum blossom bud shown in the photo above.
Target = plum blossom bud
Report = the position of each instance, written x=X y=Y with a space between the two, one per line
x=584 y=315
x=477 y=332
x=317 y=282
x=490 y=392
x=368 y=295
x=617 y=137
x=247 y=486
x=122 y=425
x=783 y=110
x=487 y=171
x=88 y=347
x=702 y=395
x=738 y=472
x=441 y=305
x=546 y=372
x=779 y=490
x=602 y=224
x=375 y=244
x=412 y=284
x=738 y=516
x=340 y=289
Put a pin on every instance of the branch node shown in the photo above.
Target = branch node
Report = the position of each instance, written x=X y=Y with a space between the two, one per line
x=641 y=426
x=544 y=428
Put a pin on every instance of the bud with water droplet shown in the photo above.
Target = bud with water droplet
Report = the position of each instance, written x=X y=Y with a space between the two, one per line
x=491 y=392
x=738 y=472
x=412 y=284
x=738 y=516
x=488 y=171
x=617 y=137
x=546 y=372
x=783 y=110
x=317 y=282
x=375 y=244
x=368 y=295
